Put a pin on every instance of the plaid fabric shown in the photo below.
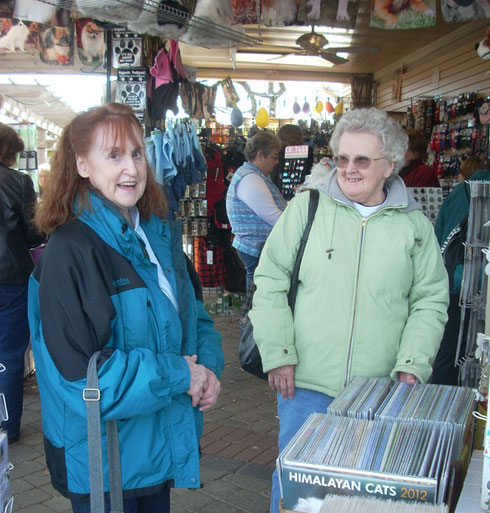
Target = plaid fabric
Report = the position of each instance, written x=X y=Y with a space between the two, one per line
x=246 y=305
x=211 y=275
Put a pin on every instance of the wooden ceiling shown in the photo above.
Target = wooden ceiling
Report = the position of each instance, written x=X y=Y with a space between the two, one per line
x=393 y=45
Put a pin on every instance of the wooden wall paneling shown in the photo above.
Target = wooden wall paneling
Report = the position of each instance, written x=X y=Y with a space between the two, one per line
x=459 y=67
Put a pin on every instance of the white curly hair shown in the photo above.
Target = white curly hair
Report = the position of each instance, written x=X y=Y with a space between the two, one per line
x=394 y=140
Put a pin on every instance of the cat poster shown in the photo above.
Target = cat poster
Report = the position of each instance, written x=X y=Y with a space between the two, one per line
x=57 y=45
x=18 y=36
x=91 y=43
x=339 y=13
x=411 y=14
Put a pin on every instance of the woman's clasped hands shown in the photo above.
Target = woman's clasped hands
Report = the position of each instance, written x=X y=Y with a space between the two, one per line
x=204 y=387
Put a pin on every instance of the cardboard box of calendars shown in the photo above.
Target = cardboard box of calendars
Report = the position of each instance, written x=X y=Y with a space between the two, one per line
x=306 y=481
x=282 y=510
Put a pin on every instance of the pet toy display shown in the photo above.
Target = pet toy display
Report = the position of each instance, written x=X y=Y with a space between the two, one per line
x=456 y=129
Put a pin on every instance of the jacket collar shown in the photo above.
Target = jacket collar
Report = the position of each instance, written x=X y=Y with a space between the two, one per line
x=398 y=195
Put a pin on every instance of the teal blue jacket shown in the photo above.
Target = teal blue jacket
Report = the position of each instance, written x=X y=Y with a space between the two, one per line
x=455 y=207
x=453 y=210
x=95 y=289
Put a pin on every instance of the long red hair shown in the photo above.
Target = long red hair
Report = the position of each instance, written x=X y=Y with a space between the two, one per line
x=64 y=183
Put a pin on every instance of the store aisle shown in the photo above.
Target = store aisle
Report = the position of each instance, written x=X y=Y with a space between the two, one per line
x=238 y=447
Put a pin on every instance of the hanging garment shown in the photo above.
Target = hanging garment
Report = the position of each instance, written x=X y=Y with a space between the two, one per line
x=208 y=99
x=164 y=98
x=211 y=267
x=198 y=157
x=231 y=96
x=215 y=185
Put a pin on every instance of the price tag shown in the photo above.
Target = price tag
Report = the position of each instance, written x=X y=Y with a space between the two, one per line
x=209 y=257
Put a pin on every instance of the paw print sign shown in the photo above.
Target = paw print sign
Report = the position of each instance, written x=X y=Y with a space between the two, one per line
x=131 y=88
x=127 y=49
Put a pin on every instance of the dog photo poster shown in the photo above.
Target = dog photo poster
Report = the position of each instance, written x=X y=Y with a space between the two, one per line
x=18 y=36
x=56 y=44
x=339 y=13
x=410 y=14
x=91 y=43
x=464 y=10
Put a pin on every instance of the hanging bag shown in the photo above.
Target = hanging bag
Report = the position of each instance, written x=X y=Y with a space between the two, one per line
x=248 y=352
x=91 y=396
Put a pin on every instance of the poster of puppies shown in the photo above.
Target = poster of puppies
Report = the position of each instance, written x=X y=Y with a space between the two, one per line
x=91 y=43
x=463 y=10
x=338 y=13
x=18 y=36
x=56 y=44
x=405 y=14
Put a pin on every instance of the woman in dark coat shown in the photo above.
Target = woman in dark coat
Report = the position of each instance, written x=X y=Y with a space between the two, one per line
x=17 y=236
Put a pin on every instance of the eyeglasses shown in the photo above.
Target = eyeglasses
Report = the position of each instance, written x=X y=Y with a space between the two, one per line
x=359 y=162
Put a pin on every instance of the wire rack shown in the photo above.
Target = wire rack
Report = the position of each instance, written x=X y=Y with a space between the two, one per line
x=164 y=14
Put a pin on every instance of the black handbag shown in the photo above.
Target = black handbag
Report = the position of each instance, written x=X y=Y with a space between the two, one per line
x=248 y=352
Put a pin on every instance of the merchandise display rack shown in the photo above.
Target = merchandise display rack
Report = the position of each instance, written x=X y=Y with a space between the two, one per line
x=473 y=296
x=167 y=14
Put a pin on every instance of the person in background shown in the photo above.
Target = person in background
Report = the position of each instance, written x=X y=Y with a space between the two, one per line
x=17 y=235
x=113 y=278
x=43 y=174
x=468 y=168
x=416 y=173
x=290 y=135
x=453 y=210
x=372 y=294
x=253 y=202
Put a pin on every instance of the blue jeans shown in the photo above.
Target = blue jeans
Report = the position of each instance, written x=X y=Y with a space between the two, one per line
x=156 y=503
x=250 y=263
x=14 y=338
x=292 y=415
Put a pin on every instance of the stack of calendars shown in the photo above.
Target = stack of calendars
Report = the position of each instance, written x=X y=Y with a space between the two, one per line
x=361 y=398
x=339 y=504
x=403 y=454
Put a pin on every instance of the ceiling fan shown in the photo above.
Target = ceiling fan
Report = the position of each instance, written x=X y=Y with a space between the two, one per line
x=313 y=44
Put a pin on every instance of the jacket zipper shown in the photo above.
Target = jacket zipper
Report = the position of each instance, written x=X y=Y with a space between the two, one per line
x=349 y=356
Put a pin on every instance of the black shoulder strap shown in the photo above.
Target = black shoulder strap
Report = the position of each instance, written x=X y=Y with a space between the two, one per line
x=312 y=207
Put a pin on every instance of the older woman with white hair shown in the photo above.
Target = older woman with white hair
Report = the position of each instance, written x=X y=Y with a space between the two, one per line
x=372 y=294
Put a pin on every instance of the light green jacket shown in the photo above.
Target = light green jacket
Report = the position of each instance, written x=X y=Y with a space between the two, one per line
x=372 y=294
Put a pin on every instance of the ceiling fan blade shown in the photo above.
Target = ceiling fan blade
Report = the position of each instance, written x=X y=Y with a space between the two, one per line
x=282 y=56
x=355 y=49
x=333 y=58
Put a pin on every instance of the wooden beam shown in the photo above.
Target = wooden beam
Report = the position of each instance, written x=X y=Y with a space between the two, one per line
x=277 y=75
